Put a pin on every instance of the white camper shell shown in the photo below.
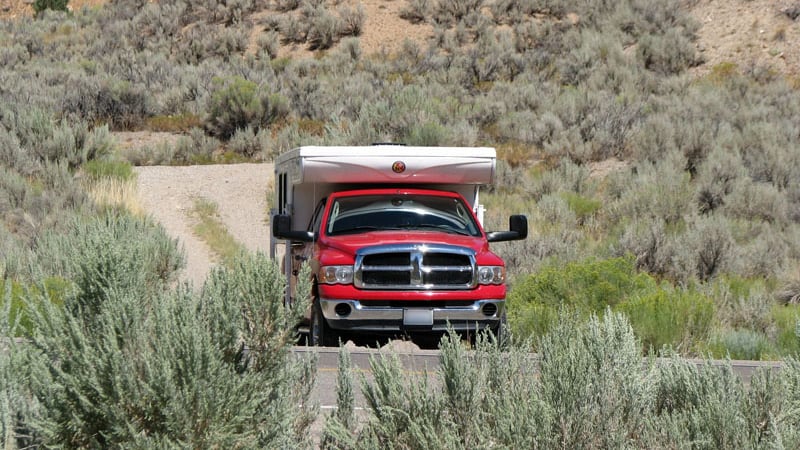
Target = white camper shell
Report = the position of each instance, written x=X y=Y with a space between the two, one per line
x=305 y=175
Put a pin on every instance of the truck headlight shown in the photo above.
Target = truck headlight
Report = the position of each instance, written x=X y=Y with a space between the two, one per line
x=335 y=275
x=491 y=274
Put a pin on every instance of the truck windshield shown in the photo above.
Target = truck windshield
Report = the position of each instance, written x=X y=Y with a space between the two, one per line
x=400 y=212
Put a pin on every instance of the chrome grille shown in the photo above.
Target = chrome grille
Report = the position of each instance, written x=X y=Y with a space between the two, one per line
x=425 y=267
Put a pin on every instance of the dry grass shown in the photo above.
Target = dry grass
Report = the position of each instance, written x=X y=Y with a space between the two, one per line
x=116 y=193
x=213 y=232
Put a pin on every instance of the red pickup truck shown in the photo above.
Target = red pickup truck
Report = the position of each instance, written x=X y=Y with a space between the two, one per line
x=394 y=238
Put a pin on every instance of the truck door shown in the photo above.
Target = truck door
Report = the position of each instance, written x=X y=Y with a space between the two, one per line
x=303 y=252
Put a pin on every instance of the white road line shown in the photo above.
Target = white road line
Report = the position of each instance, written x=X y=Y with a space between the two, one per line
x=333 y=407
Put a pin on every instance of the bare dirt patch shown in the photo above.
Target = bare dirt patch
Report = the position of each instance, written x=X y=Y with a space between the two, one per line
x=168 y=193
x=384 y=30
x=754 y=33
x=602 y=169
x=137 y=139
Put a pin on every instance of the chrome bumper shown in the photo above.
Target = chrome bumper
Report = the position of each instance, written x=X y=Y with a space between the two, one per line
x=392 y=318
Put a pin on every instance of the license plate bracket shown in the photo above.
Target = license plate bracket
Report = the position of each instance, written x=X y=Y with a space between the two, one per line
x=418 y=317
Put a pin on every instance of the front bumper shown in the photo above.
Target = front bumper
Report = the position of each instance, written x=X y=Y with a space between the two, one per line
x=475 y=315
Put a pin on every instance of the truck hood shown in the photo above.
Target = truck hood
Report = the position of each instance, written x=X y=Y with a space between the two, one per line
x=350 y=243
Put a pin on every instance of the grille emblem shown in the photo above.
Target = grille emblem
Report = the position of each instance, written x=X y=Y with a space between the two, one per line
x=416 y=268
x=398 y=167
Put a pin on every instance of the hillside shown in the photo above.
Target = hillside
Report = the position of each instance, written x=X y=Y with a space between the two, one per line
x=640 y=137
x=652 y=144
x=744 y=32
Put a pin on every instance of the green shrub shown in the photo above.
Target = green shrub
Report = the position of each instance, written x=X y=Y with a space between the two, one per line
x=594 y=383
x=427 y=134
x=589 y=389
x=416 y=11
x=56 y=5
x=588 y=286
x=583 y=207
x=238 y=103
x=659 y=314
x=172 y=369
x=14 y=301
x=671 y=53
x=97 y=100
x=787 y=323
x=475 y=399
x=338 y=426
x=115 y=250
x=17 y=408
x=670 y=317
x=698 y=404
x=584 y=287
x=249 y=144
x=533 y=319
x=97 y=169
x=742 y=303
x=740 y=344
x=711 y=246
x=351 y=20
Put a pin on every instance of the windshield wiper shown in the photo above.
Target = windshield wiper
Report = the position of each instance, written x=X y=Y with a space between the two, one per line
x=364 y=229
x=443 y=228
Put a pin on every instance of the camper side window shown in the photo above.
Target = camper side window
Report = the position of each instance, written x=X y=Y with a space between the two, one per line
x=282 y=200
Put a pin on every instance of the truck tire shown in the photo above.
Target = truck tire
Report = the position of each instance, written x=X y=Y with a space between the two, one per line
x=319 y=333
x=500 y=331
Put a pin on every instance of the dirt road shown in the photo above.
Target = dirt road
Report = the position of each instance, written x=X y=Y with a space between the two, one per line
x=168 y=194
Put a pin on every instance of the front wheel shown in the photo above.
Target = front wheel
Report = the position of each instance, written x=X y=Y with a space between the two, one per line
x=500 y=331
x=319 y=333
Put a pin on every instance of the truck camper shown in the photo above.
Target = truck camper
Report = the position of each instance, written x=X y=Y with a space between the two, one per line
x=394 y=237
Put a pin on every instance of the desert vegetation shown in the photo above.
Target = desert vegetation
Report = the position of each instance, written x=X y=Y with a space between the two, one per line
x=589 y=388
x=116 y=357
x=688 y=245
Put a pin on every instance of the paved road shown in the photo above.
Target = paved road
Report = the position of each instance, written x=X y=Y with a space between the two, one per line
x=417 y=362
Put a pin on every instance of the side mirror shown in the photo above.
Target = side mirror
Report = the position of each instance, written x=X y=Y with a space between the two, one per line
x=282 y=229
x=518 y=230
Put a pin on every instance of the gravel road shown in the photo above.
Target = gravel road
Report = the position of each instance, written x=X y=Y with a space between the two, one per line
x=240 y=191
